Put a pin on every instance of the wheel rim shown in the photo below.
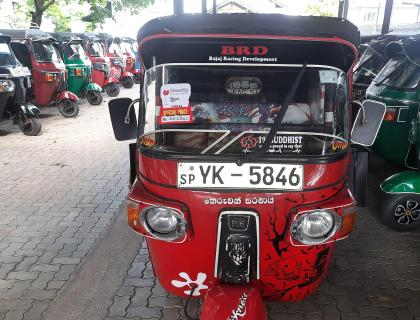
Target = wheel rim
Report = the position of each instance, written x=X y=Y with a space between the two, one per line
x=94 y=97
x=27 y=126
x=68 y=107
x=407 y=212
x=112 y=88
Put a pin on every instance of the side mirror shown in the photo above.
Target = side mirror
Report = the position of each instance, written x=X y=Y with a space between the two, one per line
x=123 y=118
x=367 y=122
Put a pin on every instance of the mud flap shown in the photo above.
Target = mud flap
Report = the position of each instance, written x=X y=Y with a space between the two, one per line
x=357 y=182
x=133 y=169
x=233 y=302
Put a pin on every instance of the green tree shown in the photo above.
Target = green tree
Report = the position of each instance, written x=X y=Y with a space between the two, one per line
x=100 y=9
x=327 y=8
x=60 y=20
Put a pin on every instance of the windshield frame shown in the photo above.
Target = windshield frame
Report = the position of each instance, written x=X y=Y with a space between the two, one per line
x=11 y=53
x=224 y=133
x=77 y=55
x=53 y=44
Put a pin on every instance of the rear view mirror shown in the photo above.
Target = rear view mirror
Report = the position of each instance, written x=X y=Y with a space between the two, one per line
x=123 y=118
x=367 y=122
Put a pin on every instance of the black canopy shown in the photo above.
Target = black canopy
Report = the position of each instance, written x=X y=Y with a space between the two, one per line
x=32 y=34
x=197 y=38
x=253 y=24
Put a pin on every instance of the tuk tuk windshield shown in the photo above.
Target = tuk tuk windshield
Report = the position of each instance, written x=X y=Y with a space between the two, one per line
x=6 y=56
x=96 y=49
x=400 y=73
x=369 y=64
x=45 y=51
x=74 y=51
x=230 y=108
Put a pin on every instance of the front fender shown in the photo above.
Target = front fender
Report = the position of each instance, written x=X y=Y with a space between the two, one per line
x=67 y=95
x=126 y=74
x=29 y=109
x=94 y=87
x=403 y=182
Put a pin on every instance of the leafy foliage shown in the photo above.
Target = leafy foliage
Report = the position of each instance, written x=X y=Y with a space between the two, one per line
x=99 y=10
x=327 y=8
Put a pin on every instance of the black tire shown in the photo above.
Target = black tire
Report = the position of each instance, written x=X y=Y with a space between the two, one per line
x=137 y=78
x=30 y=127
x=94 y=97
x=112 y=89
x=68 y=108
x=127 y=82
x=401 y=212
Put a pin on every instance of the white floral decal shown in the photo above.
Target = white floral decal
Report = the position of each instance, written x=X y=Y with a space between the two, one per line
x=198 y=284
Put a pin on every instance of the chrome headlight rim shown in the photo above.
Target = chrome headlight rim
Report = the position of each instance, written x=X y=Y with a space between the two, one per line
x=8 y=85
x=303 y=239
x=178 y=234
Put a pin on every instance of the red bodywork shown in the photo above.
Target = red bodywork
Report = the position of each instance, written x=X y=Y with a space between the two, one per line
x=288 y=272
x=100 y=77
x=52 y=91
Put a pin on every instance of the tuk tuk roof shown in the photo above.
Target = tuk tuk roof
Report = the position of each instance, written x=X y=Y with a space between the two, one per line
x=287 y=39
x=252 y=24
x=66 y=36
x=32 y=34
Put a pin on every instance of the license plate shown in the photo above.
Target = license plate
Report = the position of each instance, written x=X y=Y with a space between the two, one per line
x=247 y=176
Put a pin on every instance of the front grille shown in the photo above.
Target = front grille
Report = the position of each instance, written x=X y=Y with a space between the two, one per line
x=237 y=255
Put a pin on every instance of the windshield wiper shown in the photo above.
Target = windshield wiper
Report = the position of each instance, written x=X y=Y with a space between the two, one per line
x=279 y=118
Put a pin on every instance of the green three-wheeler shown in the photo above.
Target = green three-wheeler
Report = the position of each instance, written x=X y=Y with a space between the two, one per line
x=398 y=87
x=79 y=68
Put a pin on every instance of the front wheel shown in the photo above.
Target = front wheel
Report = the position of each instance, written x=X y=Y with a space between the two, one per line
x=112 y=89
x=137 y=78
x=127 y=82
x=94 y=97
x=31 y=126
x=401 y=212
x=68 y=108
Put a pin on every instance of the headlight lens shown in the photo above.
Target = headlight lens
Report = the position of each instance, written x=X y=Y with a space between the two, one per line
x=162 y=220
x=315 y=227
x=164 y=223
x=8 y=85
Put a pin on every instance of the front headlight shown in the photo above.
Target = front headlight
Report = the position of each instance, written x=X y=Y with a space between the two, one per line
x=315 y=227
x=163 y=223
x=7 y=86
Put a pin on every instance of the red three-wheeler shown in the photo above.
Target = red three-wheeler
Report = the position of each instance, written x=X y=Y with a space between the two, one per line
x=38 y=51
x=241 y=158
x=103 y=73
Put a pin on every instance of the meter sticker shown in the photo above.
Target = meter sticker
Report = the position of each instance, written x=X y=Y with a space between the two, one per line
x=175 y=95
x=175 y=103
x=328 y=76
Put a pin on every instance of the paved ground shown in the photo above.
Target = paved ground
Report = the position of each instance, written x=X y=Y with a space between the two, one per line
x=59 y=191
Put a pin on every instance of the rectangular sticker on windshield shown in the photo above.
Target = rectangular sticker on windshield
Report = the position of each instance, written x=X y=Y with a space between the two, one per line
x=328 y=76
x=175 y=103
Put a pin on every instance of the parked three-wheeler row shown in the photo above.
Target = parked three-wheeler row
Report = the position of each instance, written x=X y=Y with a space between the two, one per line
x=60 y=68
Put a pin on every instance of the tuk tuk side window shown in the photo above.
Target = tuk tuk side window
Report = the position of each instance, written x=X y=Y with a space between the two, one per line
x=45 y=51
x=96 y=50
x=74 y=51
x=6 y=56
x=400 y=73
x=200 y=109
